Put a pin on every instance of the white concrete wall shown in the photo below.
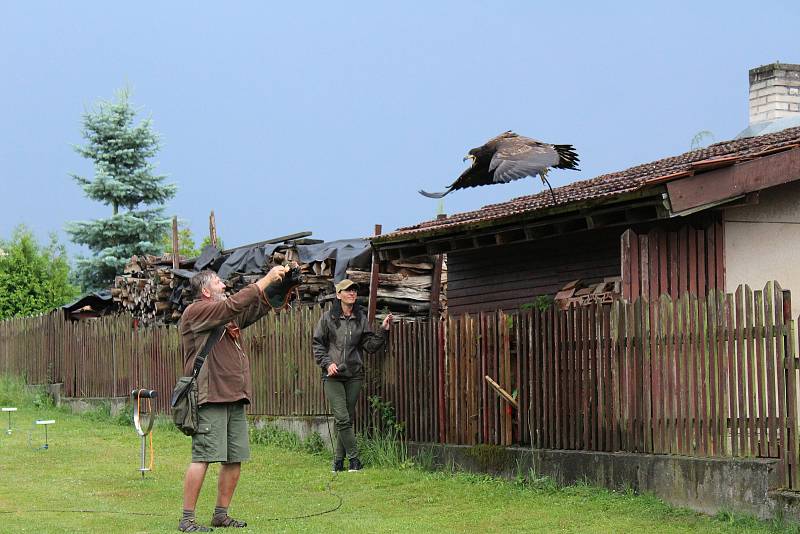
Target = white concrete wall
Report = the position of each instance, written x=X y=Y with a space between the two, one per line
x=762 y=242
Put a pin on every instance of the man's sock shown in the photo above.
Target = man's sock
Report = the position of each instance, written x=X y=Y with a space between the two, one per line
x=188 y=515
x=220 y=512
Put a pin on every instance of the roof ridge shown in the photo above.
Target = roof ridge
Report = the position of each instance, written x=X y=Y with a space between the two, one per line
x=617 y=182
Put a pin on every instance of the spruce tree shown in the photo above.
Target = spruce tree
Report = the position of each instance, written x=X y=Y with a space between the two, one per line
x=124 y=179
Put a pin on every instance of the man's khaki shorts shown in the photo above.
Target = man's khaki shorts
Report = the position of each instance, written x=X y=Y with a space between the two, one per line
x=221 y=434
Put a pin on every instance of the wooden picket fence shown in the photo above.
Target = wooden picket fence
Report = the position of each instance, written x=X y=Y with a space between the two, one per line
x=709 y=376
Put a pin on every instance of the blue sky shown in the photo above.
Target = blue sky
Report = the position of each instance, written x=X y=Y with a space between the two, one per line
x=328 y=117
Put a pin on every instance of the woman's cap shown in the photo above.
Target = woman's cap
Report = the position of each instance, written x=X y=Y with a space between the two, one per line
x=345 y=284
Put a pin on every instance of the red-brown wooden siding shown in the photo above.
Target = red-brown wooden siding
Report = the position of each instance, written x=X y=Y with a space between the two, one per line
x=672 y=262
x=504 y=277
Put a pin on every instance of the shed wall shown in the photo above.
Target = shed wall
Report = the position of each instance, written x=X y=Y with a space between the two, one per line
x=507 y=276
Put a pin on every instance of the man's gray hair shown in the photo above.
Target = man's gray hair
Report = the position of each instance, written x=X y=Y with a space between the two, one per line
x=201 y=280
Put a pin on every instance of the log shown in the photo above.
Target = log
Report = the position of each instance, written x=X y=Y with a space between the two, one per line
x=392 y=279
x=404 y=293
x=421 y=265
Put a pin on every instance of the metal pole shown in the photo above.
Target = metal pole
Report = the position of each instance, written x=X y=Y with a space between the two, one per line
x=143 y=468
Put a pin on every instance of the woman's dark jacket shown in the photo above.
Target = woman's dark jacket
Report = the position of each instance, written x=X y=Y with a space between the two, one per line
x=342 y=340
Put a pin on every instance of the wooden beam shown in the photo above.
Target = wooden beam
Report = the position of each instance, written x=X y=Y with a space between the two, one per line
x=730 y=182
x=505 y=395
x=272 y=241
x=373 y=281
x=212 y=229
x=176 y=261
x=436 y=286
x=641 y=210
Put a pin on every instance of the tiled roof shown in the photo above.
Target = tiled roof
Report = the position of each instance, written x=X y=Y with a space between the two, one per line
x=612 y=184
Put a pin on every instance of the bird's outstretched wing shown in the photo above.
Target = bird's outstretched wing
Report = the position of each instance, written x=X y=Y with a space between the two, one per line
x=509 y=157
x=517 y=159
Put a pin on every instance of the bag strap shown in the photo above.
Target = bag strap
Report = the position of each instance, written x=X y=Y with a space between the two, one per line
x=200 y=359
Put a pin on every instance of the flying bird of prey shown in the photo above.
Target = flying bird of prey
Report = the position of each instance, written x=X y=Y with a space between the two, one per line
x=510 y=157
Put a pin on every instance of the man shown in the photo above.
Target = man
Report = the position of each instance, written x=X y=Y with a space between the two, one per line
x=224 y=387
x=340 y=336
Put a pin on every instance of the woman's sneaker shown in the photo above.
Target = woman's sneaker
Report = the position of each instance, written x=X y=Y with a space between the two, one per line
x=338 y=465
x=355 y=465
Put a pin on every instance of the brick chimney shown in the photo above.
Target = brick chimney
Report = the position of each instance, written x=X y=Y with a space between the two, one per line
x=774 y=92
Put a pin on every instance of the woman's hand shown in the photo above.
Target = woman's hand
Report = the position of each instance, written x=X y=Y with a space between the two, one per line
x=387 y=322
x=332 y=369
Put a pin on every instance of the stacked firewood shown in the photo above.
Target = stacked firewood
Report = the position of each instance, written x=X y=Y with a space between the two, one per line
x=155 y=293
x=145 y=287
x=404 y=287
x=576 y=293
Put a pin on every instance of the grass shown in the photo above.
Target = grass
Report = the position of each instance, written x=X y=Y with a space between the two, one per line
x=93 y=460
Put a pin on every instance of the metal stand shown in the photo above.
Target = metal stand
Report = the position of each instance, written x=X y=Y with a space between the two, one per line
x=136 y=396
x=45 y=423
x=9 y=410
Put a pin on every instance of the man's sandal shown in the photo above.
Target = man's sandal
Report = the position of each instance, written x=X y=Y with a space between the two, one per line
x=227 y=521
x=192 y=526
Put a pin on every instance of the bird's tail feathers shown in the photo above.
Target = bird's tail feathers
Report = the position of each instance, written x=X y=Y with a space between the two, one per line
x=567 y=157
x=434 y=195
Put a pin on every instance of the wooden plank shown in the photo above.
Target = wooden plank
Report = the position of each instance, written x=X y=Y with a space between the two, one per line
x=644 y=258
x=636 y=281
x=723 y=330
x=593 y=407
x=720 y=254
x=711 y=371
x=521 y=379
x=691 y=274
x=760 y=363
x=791 y=393
x=733 y=378
x=440 y=379
x=702 y=336
x=625 y=370
x=685 y=370
x=671 y=394
x=609 y=421
x=450 y=377
x=626 y=271
x=636 y=376
x=436 y=285
x=779 y=341
x=644 y=396
x=558 y=397
x=538 y=374
x=733 y=181
x=771 y=370
x=585 y=372
x=550 y=392
x=710 y=263
x=653 y=383
x=663 y=259
x=504 y=352
x=700 y=268
x=753 y=409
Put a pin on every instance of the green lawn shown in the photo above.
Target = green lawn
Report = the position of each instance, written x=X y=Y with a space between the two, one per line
x=92 y=465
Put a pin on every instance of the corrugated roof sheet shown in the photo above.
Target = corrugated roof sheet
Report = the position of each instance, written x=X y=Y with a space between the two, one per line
x=613 y=184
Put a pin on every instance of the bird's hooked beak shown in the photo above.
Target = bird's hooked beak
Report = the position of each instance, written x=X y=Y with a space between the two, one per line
x=470 y=157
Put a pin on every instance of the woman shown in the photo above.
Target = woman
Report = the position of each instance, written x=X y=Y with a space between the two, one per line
x=340 y=337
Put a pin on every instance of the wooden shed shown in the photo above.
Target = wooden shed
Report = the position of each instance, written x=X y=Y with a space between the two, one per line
x=661 y=226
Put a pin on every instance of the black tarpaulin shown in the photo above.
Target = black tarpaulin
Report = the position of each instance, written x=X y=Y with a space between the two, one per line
x=248 y=260
x=347 y=253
